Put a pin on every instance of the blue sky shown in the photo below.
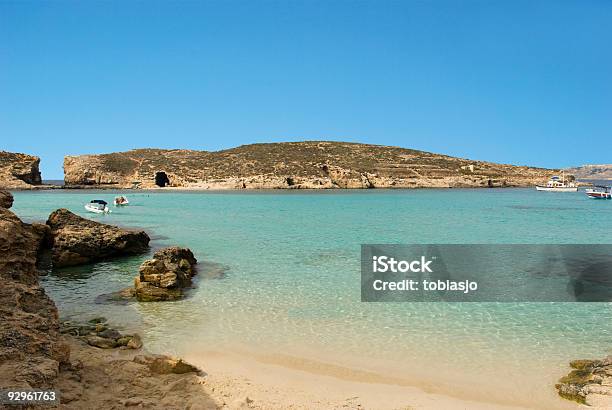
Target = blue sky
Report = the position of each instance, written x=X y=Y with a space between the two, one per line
x=518 y=82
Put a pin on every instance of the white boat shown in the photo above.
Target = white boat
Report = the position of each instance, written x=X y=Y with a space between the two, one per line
x=599 y=192
x=121 y=201
x=556 y=184
x=97 y=206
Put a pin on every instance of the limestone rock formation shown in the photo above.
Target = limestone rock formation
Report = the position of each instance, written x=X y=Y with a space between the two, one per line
x=601 y=171
x=164 y=276
x=104 y=379
x=30 y=348
x=6 y=199
x=19 y=171
x=293 y=165
x=590 y=382
x=76 y=240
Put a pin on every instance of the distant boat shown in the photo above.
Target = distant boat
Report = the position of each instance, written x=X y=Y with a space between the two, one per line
x=97 y=206
x=599 y=192
x=121 y=201
x=556 y=184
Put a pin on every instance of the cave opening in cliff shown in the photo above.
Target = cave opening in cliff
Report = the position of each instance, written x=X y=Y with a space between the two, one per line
x=161 y=179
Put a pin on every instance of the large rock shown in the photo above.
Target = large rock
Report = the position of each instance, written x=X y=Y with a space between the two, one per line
x=19 y=171
x=6 y=199
x=294 y=165
x=76 y=240
x=164 y=276
x=590 y=382
x=30 y=348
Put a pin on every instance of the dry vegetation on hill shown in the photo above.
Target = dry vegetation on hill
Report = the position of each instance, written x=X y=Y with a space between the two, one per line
x=310 y=164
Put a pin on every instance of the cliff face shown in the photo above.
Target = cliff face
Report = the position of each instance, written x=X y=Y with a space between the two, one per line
x=19 y=171
x=311 y=164
x=30 y=348
x=603 y=171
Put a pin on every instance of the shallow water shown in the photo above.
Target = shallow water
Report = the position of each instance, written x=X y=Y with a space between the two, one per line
x=280 y=273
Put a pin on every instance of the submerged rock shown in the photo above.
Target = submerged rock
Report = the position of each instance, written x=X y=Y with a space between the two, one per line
x=76 y=240
x=101 y=342
x=164 y=276
x=590 y=382
x=97 y=333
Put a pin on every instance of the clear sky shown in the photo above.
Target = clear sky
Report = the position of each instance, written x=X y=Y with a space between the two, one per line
x=521 y=82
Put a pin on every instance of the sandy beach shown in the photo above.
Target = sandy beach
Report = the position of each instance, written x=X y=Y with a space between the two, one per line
x=110 y=378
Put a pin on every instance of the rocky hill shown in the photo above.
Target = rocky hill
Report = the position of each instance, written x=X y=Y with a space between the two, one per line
x=19 y=171
x=310 y=164
x=603 y=171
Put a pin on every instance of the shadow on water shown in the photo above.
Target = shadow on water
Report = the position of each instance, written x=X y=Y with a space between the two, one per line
x=89 y=271
x=211 y=270
x=74 y=272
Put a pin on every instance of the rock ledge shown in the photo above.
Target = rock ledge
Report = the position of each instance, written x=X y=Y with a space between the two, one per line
x=76 y=240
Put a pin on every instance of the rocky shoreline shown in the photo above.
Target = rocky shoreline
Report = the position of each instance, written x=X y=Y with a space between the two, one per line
x=37 y=351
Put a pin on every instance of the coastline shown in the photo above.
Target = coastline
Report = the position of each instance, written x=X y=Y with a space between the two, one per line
x=295 y=381
x=178 y=189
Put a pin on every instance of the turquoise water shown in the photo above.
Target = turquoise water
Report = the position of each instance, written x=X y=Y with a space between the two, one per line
x=280 y=273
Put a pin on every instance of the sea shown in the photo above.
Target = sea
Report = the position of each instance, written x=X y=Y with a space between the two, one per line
x=279 y=274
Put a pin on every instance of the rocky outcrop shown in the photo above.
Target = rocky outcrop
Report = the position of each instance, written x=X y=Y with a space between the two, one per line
x=106 y=379
x=165 y=276
x=602 y=171
x=6 y=199
x=590 y=382
x=293 y=165
x=19 y=171
x=30 y=348
x=76 y=240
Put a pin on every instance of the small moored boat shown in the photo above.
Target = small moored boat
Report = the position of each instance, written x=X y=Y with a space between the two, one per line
x=556 y=184
x=97 y=206
x=599 y=192
x=121 y=201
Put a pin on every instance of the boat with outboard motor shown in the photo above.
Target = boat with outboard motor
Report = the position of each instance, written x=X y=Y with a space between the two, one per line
x=97 y=206
x=599 y=192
